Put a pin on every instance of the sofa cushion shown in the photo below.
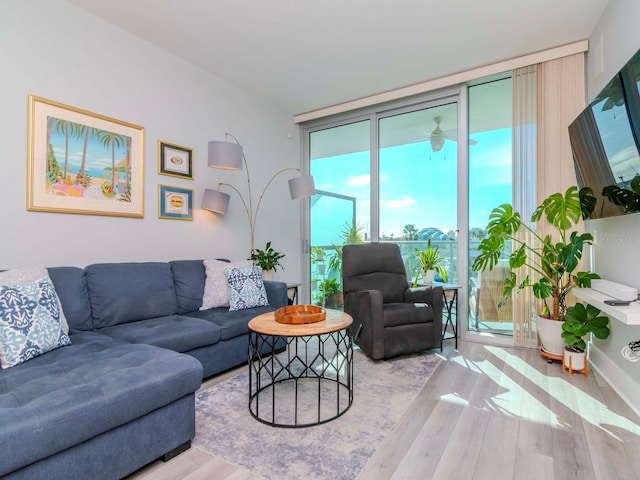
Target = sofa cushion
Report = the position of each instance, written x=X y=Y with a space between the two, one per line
x=233 y=324
x=30 y=323
x=175 y=332
x=216 y=288
x=72 y=394
x=127 y=292
x=71 y=287
x=189 y=277
x=246 y=288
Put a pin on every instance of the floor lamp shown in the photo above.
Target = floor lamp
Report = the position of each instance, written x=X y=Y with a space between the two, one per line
x=230 y=156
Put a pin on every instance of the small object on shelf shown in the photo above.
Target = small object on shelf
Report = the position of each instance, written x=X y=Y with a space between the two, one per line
x=617 y=303
x=300 y=314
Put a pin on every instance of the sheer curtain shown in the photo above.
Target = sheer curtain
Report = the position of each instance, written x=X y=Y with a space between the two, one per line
x=524 y=196
x=546 y=98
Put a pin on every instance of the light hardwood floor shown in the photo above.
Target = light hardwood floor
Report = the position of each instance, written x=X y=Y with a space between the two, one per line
x=486 y=413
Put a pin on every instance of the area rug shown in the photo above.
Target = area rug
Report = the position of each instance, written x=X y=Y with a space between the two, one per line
x=339 y=449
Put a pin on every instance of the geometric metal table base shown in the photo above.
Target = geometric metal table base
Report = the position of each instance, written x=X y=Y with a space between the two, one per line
x=309 y=383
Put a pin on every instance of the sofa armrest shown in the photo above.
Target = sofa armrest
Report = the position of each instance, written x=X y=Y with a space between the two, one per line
x=276 y=293
x=365 y=307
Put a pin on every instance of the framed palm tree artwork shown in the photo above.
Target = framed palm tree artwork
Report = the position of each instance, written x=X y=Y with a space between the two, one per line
x=82 y=162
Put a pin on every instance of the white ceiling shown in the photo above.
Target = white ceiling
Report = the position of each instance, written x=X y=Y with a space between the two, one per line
x=301 y=55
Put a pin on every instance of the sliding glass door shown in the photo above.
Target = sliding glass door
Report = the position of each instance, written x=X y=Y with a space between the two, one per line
x=418 y=173
x=428 y=168
x=339 y=211
x=490 y=184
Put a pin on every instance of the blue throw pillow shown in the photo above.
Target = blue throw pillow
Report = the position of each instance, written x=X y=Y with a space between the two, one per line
x=30 y=322
x=246 y=288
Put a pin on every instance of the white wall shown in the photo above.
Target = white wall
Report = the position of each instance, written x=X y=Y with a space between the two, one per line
x=616 y=254
x=54 y=49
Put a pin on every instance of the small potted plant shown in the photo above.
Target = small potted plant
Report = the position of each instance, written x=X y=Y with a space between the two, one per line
x=329 y=289
x=267 y=259
x=429 y=261
x=581 y=320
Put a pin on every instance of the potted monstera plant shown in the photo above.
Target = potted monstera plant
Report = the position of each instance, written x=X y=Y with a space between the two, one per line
x=554 y=260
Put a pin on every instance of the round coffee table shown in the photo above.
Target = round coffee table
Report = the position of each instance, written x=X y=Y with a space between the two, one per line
x=310 y=380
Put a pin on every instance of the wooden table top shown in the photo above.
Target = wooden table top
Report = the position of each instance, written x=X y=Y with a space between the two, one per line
x=266 y=324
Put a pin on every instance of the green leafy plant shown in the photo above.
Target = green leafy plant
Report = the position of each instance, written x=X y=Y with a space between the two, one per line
x=580 y=322
x=351 y=235
x=429 y=259
x=329 y=287
x=553 y=261
x=267 y=259
x=317 y=254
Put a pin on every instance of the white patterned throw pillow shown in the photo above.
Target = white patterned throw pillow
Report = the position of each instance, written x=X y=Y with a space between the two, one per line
x=24 y=275
x=216 y=290
x=246 y=288
x=30 y=323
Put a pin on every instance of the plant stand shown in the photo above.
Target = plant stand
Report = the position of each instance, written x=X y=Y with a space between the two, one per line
x=569 y=361
x=550 y=356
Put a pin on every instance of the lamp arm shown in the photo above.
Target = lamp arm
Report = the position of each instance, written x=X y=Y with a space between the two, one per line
x=255 y=215
x=246 y=170
x=250 y=216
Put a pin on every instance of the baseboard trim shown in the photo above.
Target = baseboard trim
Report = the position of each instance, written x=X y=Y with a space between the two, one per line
x=623 y=384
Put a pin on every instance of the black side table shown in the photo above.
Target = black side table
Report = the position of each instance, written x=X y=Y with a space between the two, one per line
x=450 y=311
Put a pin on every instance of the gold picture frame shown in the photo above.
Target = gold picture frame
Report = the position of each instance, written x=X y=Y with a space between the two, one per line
x=82 y=162
x=175 y=160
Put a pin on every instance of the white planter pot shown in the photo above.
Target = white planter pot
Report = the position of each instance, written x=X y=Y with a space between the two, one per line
x=574 y=361
x=550 y=333
x=267 y=274
x=427 y=278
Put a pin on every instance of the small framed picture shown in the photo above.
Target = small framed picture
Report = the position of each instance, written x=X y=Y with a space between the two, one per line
x=175 y=203
x=175 y=160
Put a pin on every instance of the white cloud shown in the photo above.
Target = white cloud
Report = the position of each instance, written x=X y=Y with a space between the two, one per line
x=405 y=202
x=359 y=181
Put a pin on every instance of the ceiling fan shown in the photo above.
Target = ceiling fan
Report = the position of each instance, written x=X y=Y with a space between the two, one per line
x=438 y=136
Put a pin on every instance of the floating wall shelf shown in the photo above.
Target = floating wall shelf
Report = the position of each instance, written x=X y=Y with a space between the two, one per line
x=629 y=314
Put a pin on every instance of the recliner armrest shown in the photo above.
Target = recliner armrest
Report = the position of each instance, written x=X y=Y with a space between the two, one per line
x=365 y=306
x=430 y=295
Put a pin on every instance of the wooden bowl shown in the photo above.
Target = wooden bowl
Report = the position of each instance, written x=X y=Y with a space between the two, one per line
x=300 y=314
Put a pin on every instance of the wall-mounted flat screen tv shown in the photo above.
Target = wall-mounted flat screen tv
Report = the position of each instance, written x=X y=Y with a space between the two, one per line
x=605 y=139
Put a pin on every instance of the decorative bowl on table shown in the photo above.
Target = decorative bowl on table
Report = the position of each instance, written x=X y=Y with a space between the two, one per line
x=300 y=314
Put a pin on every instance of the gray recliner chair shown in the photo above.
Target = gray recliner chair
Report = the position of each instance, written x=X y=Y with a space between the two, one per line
x=389 y=318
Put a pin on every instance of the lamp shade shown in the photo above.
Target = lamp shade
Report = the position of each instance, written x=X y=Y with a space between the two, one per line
x=215 y=201
x=225 y=155
x=301 y=187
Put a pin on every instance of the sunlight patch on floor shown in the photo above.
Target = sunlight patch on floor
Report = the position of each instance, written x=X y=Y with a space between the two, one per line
x=511 y=398
x=584 y=405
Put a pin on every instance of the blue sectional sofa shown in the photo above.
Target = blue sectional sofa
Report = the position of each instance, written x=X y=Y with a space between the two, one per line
x=123 y=393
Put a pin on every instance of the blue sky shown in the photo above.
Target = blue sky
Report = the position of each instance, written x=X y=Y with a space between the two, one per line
x=98 y=158
x=417 y=186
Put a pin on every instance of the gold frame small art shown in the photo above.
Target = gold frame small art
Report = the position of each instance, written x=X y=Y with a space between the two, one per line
x=175 y=203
